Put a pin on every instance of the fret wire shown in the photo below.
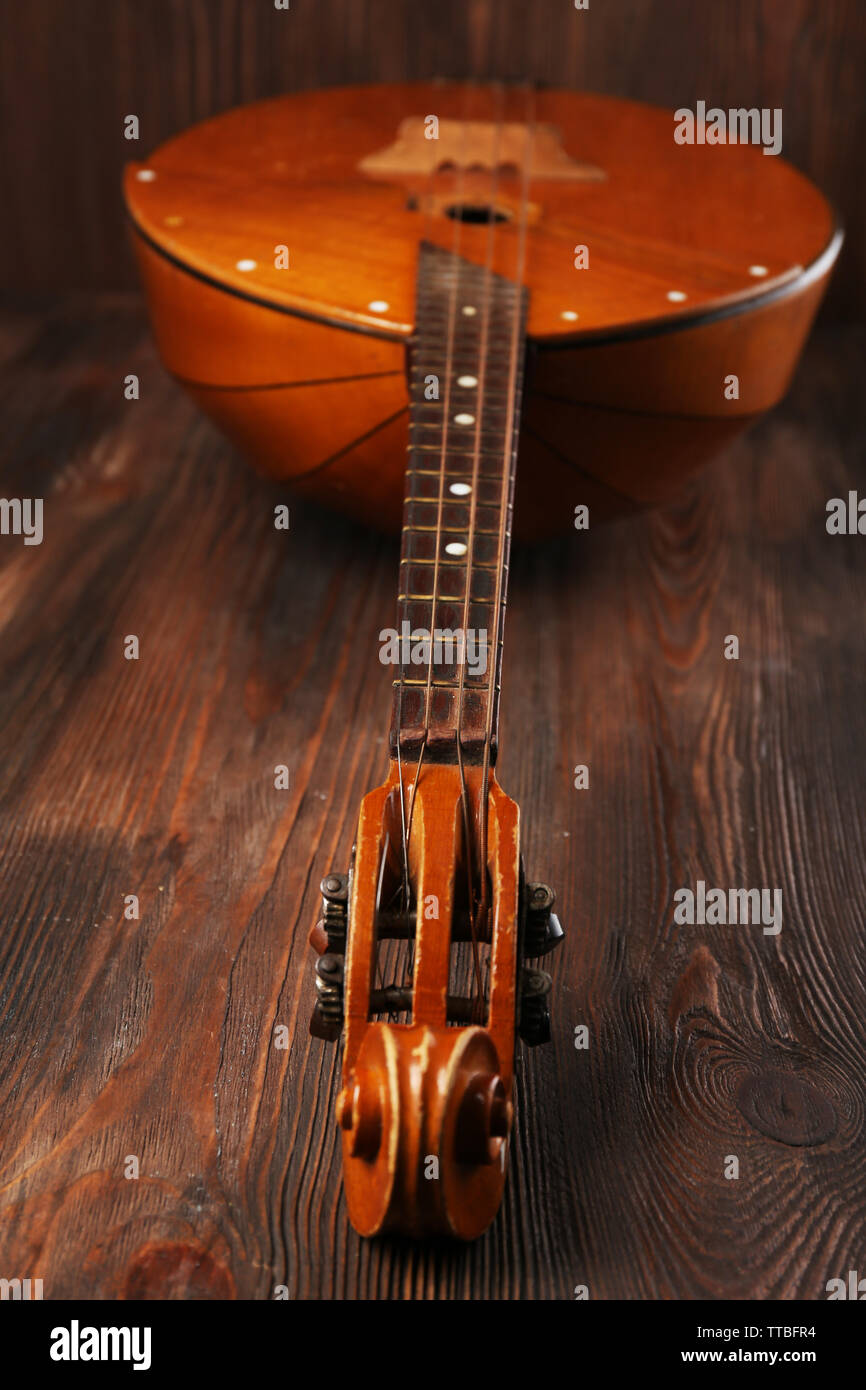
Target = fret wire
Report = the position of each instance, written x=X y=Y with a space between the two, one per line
x=459 y=453
x=476 y=565
x=434 y=473
x=453 y=501
x=451 y=530
x=440 y=598
x=442 y=685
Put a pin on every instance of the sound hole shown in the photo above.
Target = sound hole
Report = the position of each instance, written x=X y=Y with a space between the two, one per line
x=475 y=212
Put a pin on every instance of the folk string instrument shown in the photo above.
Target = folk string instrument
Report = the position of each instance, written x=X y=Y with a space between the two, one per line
x=490 y=271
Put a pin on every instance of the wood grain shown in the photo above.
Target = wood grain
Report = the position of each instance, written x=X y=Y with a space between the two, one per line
x=156 y=1037
x=218 y=199
x=250 y=336
x=69 y=76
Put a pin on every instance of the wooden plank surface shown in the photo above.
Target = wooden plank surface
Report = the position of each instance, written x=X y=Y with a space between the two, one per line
x=70 y=74
x=155 y=1038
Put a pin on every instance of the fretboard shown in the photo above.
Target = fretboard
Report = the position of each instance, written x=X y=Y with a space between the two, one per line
x=465 y=386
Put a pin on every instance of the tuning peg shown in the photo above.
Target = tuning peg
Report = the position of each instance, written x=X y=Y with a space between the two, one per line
x=328 y=940
x=318 y=938
x=335 y=910
x=543 y=931
x=533 y=1013
x=326 y=1021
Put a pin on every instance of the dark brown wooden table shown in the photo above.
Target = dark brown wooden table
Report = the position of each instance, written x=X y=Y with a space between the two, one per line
x=155 y=1039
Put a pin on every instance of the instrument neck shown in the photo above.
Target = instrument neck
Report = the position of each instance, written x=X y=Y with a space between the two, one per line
x=466 y=376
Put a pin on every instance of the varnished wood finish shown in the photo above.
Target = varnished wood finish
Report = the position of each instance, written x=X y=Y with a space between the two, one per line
x=665 y=217
x=157 y=1037
x=687 y=218
x=404 y=1094
x=440 y=841
x=647 y=391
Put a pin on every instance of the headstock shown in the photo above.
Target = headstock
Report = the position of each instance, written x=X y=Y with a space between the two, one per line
x=423 y=973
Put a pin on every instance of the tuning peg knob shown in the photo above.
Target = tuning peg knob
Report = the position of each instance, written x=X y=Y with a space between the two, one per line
x=335 y=910
x=541 y=897
x=327 y=1017
x=318 y=938
x=534 y=1015
x=328 y=940
x=543 y=931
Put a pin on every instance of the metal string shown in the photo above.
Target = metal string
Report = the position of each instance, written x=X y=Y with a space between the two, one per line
x=406 y=828
x=477 y=910
x=445 y=413
x=487 y=294
x=510 y=445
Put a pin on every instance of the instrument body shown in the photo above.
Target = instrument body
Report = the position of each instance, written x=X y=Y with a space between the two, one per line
x=335 y=274
x=622 y=403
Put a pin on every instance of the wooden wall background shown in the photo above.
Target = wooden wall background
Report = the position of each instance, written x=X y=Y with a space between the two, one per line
x=70 y=73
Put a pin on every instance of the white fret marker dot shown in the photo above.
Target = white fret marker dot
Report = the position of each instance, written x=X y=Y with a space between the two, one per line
x=758 y=270
x=464 y=419
x=569 y=314
x=469 y=310
x=146 y=175
x=245 y=265
x=676 y=296
x=456 y=548
x=459 y=489
x=378 y=306
x=467 y=381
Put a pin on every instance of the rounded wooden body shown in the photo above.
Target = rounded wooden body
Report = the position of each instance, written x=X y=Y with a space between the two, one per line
x=278 y=245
